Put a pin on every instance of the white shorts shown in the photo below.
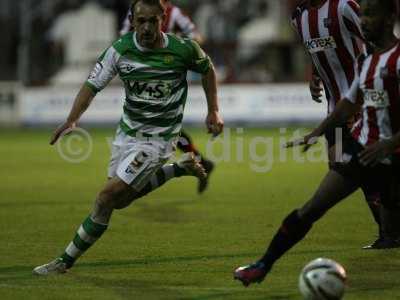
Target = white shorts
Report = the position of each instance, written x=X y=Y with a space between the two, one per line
x=136 y=160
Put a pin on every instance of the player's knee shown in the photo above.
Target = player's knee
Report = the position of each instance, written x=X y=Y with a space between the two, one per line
x=105 y=199
x=126 y=199
x=111 y=196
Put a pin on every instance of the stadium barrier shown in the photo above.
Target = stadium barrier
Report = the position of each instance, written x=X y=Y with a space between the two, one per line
x=9 y=95
x=240 y=104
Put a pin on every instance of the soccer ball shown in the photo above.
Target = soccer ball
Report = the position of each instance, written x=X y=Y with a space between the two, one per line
x=322 y=279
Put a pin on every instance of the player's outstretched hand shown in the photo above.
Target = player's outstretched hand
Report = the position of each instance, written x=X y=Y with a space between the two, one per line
x=214 y=123
x=374 y=154
x=63 y=129
x=307 y=141
x=316 y=89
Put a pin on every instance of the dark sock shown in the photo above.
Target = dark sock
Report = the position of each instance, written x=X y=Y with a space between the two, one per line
x=87 y=234
x=374 y=203
x=188 y=148
x=292 y=231
x=185 y=144
x=179 y=172
x=390 y=227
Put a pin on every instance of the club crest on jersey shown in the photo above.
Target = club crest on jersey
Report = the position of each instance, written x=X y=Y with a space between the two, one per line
x=376 y=98
x=168 y=59
x=320 y=44
x=127 y=68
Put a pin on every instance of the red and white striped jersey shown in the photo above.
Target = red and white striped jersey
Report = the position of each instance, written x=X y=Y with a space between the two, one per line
x=377 y=89
x=332 y=35
x=175 y=21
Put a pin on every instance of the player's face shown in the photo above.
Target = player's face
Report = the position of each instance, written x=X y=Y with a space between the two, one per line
x=147 y=22
x=372 y=20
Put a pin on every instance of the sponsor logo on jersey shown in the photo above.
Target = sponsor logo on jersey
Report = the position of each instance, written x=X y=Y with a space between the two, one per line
x=150 y=90
x=96 y=71
x=320 y=44
x=376 y=98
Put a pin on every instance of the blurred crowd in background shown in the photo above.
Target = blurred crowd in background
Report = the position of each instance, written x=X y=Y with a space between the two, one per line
x=57 y=41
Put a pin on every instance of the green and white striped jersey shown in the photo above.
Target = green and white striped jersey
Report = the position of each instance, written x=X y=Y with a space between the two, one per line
x=154 y=79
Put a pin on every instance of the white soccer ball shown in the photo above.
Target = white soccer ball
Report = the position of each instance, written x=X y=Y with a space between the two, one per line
x=322 y=279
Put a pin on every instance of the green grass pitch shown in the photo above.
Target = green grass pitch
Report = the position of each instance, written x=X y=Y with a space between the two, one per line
x=173 y=244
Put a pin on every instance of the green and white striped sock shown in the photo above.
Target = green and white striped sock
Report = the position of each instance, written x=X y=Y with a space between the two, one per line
x=88 y=233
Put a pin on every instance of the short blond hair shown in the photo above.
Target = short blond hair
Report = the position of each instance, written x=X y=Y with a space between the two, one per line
x=156 y=3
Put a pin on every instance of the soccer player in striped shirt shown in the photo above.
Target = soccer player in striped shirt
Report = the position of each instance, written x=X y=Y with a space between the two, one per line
x=370 y=157
x=176 y=21
x=153 y=67
x=331 y=33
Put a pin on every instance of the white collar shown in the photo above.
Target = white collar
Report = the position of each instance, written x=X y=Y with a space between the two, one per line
x=144 y=49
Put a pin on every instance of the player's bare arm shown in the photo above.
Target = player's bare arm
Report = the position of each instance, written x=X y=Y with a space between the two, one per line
x=373 y=155
x=81 y=103
x=214 y=122
x=315 y=86
x=343 y=111
x=197 y=37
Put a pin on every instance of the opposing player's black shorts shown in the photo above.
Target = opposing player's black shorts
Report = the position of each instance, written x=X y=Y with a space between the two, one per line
x=330 y=135
x=384 y=178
